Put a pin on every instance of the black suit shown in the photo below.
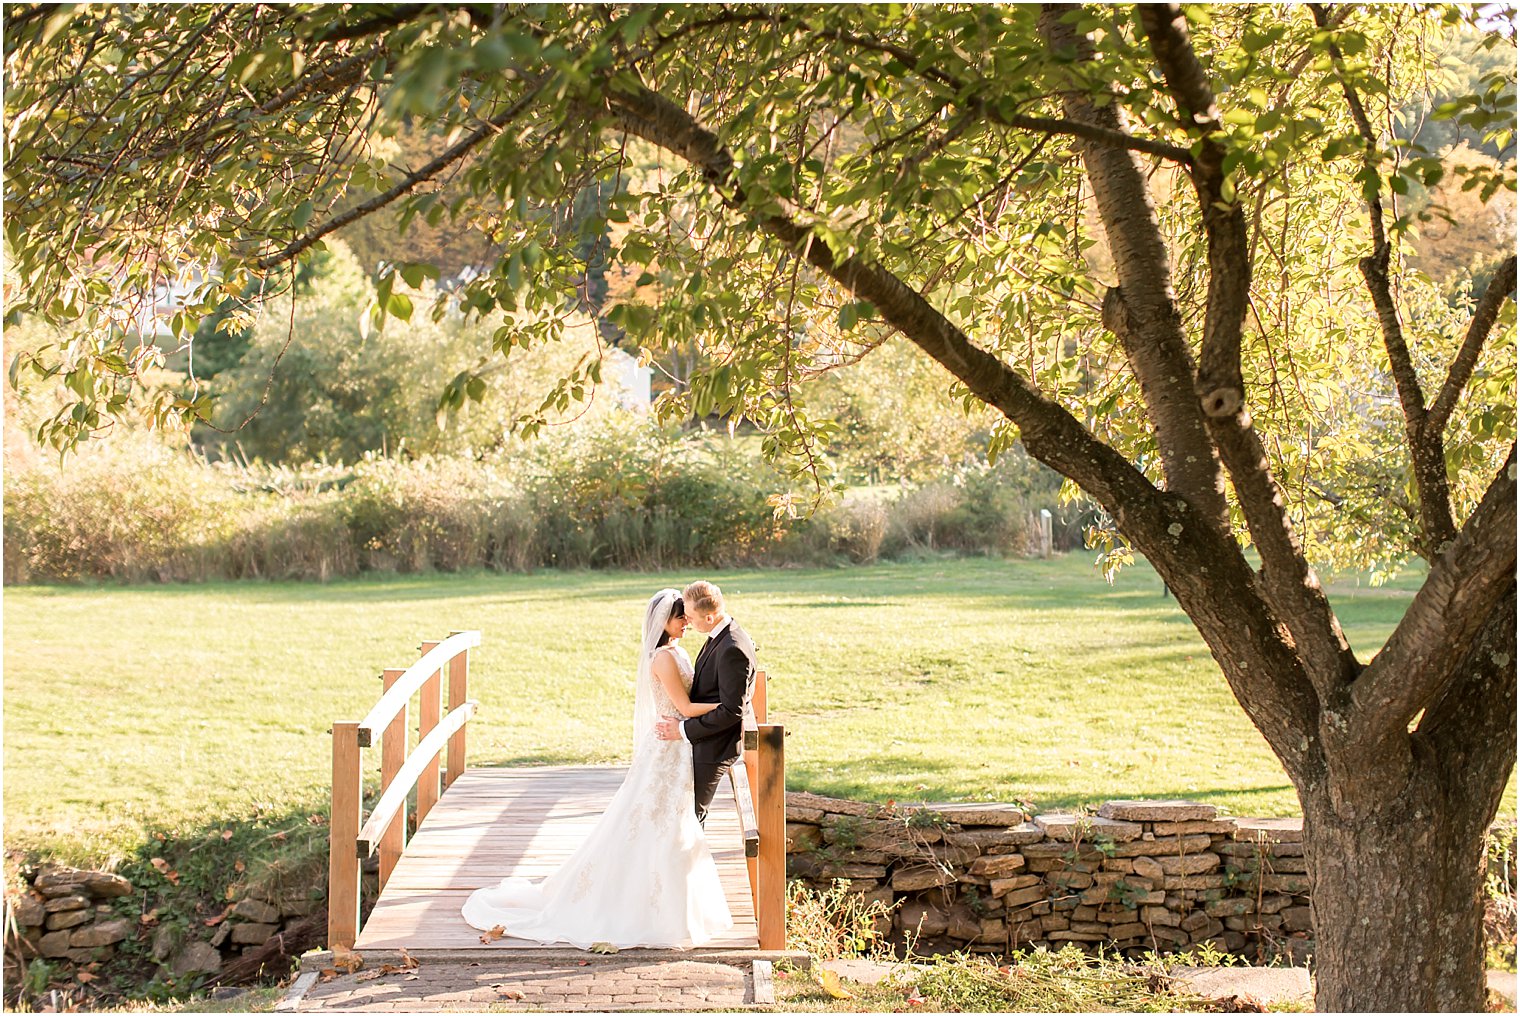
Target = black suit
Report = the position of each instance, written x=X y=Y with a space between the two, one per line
x=725 y=674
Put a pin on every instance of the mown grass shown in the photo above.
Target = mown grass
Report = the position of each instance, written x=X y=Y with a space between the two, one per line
x=173 y=708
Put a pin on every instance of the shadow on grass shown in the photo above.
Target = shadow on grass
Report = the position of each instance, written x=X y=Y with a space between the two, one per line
x=944 y=783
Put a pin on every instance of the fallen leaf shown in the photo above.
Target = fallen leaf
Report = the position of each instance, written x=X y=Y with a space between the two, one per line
x=831 y=984
x=603 y=948
x=408 y=960
x=160 y=837
x=317 y=819
x=151 y=917
x=226 y=835
x=410 y=977
x=84 y=977
x=164 y=870
x=238 y=866
x=497 y=931
x=347 y=960
x=511 y=995
x=584 y=963
x=278 y=837
x=231 y=893
x=212 y=922
x=328 y=973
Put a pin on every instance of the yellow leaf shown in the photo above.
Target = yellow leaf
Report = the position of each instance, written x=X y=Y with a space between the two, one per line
x=830 y=982
x=496 y=932
x=603 y=948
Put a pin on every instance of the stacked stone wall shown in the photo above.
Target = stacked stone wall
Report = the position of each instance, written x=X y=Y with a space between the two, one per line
x=67 y=914
x=1137 y=876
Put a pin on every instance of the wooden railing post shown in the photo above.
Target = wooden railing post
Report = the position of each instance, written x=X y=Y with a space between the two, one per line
x=392 y=758
x=770 y=817
x=342 y=833
x=429 y=710
x=459 y=692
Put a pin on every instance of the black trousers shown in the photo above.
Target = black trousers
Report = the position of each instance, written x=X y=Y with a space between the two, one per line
x=705 y=779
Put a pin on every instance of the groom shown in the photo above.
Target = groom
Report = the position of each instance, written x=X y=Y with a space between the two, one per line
x=725 y=674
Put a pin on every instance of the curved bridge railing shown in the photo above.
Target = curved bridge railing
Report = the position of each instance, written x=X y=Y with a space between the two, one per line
x=349 y=843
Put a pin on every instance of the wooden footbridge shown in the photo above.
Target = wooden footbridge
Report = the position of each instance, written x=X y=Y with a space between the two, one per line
x=475 y=826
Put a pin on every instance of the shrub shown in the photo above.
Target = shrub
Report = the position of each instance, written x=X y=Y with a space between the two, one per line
x=138 y=511
x=617 y=493
x=857 y=528
x=445 y=514
x=832 y=923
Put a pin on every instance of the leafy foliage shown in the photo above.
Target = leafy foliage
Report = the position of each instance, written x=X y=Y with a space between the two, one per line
x=870 y=140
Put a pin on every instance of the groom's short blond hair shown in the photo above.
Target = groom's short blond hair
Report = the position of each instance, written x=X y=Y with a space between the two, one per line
x=703 y=598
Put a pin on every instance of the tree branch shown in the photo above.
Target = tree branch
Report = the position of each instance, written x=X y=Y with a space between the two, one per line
x=1470 y=729
x=1223 y=221
x=1500 y=287
x=1426 y=450
x=1291 y=584
x=1040 y=125
x=1197 y=566
x=399 y=15
x=409 y=181
x=1144 y=313
x=1465 y=583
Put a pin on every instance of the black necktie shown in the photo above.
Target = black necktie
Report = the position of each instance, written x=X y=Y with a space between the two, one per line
x=703 y=654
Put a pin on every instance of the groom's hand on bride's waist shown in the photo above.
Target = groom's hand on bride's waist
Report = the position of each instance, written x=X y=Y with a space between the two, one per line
x=668 y=730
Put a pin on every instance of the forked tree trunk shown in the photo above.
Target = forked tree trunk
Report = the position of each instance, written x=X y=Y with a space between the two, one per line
x=1398 y=886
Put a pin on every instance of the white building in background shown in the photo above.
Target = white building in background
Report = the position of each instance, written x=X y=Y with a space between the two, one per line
x=628 y=380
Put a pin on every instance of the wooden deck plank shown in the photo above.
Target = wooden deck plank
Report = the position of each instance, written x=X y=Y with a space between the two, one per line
x=491 y=823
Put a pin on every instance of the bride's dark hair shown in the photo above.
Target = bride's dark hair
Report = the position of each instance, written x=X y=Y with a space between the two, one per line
x=677 y=609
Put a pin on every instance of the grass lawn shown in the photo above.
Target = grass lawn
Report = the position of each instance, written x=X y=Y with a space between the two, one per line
x=172 y=709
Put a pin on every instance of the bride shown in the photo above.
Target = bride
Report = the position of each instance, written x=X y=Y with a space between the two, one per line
x=644 y=875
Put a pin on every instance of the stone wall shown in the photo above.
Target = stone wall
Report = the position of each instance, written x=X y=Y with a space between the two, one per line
x=1138 y=876
x=67 y=914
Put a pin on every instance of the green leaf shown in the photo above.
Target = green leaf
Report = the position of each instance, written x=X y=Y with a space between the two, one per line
x=399 y=305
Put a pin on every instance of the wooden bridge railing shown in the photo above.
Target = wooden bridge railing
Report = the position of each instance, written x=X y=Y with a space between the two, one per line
x=349 y=842
x=760 y=792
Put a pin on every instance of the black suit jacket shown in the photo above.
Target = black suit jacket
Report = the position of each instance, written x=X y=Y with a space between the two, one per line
x=725 y=674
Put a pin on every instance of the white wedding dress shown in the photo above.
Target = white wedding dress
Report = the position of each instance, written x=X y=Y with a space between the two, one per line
x=644 y=875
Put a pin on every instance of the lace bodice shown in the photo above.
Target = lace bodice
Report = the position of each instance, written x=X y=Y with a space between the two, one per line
x=662 y=703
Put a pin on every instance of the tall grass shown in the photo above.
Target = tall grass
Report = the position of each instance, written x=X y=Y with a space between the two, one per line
x=622 y=494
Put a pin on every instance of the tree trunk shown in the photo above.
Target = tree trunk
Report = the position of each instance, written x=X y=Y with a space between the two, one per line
x=1398 y=901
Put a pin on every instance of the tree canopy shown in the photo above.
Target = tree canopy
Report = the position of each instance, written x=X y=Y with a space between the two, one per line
x=1167 y=247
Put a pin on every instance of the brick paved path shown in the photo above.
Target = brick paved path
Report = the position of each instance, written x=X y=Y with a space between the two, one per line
x=520 y=984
